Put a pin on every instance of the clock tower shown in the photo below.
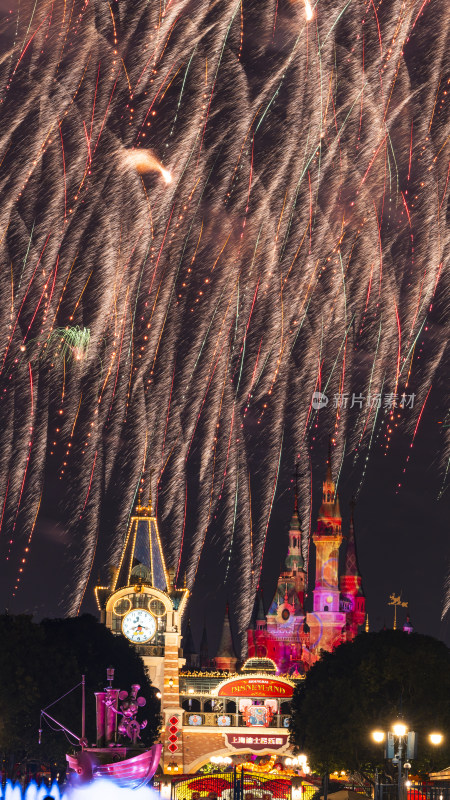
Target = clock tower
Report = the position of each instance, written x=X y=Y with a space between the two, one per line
x=143 y=605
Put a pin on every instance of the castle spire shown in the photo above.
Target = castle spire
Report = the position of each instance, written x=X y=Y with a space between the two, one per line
x=226 y=658
x=351 y=560
x=204 y=649
x=141 y=509
x=260 y=615
x=329 y=512
x=294 y=560
x=329 y=460
x=350 y=583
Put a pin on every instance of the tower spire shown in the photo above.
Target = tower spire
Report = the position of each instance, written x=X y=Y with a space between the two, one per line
x=329 y=460
x=294 y=560
x=329 y=509
x=351 y=560
x=226 y=658
x=150 y=499
x=145 y=510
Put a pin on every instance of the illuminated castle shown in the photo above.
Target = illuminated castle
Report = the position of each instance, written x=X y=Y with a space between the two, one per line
x=291 y=636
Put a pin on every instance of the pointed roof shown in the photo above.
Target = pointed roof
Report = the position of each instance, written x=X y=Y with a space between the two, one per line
x=296 y=523
x=329 y=476
x=351 y=559
x=204 y=642
x=259 y=605
x=258 y=611
x=226 y=649
x=329 y=510
x=188 y=641
x=142 y=556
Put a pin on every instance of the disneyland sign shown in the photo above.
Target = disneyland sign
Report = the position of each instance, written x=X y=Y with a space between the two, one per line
x=256 y=687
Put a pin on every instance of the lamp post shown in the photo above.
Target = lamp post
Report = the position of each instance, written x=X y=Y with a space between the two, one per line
x=406 y=746
x=400 y=731
x=405 y=743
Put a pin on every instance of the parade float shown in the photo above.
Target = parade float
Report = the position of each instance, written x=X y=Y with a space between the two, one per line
x=118 y=753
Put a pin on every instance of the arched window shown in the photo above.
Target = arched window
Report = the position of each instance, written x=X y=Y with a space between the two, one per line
x=191 y=704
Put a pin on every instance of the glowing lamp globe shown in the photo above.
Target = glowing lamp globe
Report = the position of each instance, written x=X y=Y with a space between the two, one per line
x=378 y=736
x=399 y=729
x=436 y=738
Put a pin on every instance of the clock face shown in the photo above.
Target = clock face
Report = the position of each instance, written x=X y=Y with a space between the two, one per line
x=139 y=626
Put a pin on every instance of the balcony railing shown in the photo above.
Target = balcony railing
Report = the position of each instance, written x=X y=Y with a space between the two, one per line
x=220 y=720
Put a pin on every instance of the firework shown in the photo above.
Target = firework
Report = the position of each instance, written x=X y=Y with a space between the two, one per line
x=234 y=205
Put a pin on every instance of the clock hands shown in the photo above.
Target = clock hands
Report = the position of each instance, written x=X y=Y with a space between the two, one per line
x=139 y=627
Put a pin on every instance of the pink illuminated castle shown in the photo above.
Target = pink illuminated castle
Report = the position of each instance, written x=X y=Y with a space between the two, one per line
x=292 y=637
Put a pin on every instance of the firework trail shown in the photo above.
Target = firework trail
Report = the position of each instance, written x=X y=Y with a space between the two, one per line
x=217 y=208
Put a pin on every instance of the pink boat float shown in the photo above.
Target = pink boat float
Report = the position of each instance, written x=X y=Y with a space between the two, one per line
x=130 y=764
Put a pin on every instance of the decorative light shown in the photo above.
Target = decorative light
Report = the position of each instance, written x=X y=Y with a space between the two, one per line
x=436 y=738
x=399 y=729
x=190 y=691
x=170 y=682
x=378 y=736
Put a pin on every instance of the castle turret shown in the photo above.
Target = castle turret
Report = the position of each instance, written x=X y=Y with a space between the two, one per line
x=352 y=601
x=226 y=657
x=326 y=621
x=294 y=569
x=205 y=660
x=260 y=617
x=189 y=652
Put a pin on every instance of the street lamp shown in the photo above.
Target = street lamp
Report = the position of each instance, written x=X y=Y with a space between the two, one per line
x=406 y=746
x=405 y=741
x=400 y=730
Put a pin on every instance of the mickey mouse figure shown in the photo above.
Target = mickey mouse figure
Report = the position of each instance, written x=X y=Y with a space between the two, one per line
x=128 y=725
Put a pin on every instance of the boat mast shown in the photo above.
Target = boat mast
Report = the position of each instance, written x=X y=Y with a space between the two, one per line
x=83 y=713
